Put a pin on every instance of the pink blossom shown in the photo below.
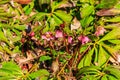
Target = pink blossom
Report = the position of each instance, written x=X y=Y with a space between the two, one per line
x=83 y=39
x=70 y=39
x=32 y=34
x=47 y=36
x=100 y=31
x=59 y=34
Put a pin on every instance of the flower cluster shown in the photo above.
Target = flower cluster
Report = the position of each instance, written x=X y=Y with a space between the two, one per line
x=60 y=34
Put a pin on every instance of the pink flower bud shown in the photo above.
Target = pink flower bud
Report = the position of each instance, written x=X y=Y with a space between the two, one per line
x=32 y=34
x=70 y=39
x=62 y=25
x=83 y=39
x=99 y=31
x=59 y=34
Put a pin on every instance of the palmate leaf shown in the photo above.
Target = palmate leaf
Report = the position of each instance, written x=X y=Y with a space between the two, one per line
x=89 y=69
x=112 y=71
x=104 y=77
x=114 y=34
x=9 y=71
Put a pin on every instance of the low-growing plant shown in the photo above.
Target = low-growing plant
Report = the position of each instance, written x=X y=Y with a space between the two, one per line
x=59 y=39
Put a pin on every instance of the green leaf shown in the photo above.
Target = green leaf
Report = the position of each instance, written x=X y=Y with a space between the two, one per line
x=88 y=1
x=42 y=74
x=110 y=50
x=52 y=24
x=111 y=35
x=110 y=77
x=101 y=57
x=1 y=49
x=88 y=57
x=11 y=66
x=44 y=58
x=113 y=71
x=107 y=4
x=117 y=47
x=114 y=19
x=104 y=77
x=64 y=16
x=86 y=11
x=96 y=55
x=7 y=50
x=81 y=63
x=4 y=1
x=56 y=5
x=57 y=20
x=114 y=41
x=3 y=38
x=28 y=8
x=89 y=69
x=88 y=77
x=20 y=27
x=39 y=16
x=86 y=21
x=9 y=71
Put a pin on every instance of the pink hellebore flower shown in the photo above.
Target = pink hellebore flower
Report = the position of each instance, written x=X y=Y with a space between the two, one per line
x=70 y=39
x=47 y=36
x=99 y=31
x=32 y=34
x=83 y=39
x=59 y=34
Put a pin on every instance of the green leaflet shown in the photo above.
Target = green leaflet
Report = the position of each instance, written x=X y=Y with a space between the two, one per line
x=115 y=33
x=96 y=56
x=110 y=50
x=90 y=69
x=4 y=1
x=52 y=24
x=3 y=38
x=113 y=71
x=44 y=58
x=86 y=11
x=117 y=47
x=107 y=3
x=39 y=16
x=1 y=49
x=64 y=16
x=56 y=5
x=28 y=8
x=88 y=57
x=42 y=74
x=111 y=77
x=114 y=41
x=10 y=70
x=85 y=22
x=101 y=56
x=86 y=60
x=104 y=77
x=57 y=20
x=114 y=19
